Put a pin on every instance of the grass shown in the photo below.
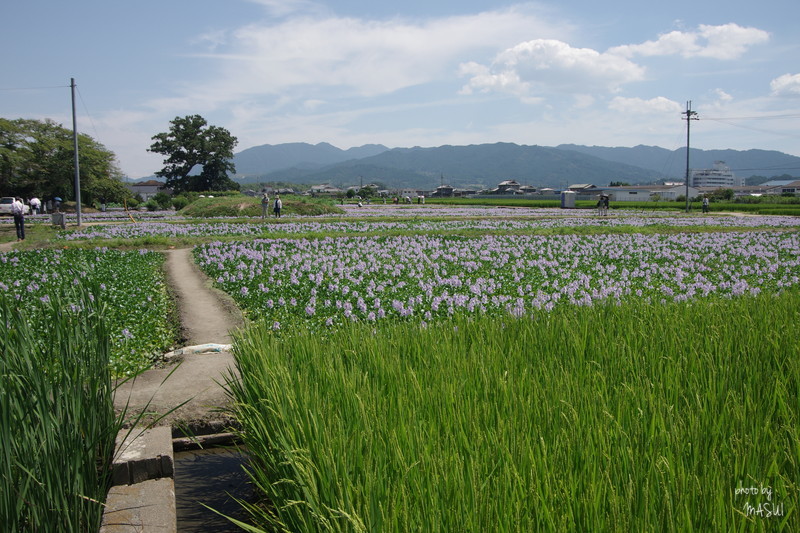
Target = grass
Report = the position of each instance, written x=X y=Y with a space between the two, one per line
x=607 y=418
x=240 y=205
x=57 y=424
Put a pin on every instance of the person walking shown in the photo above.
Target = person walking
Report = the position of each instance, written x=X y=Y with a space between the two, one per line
x=705 y=204
x=18 y=210
x=278 y=206
x=36 y=205
x=264 y=206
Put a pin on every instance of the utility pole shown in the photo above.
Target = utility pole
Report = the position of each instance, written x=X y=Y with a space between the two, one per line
x=77 y=162
x=689 y=117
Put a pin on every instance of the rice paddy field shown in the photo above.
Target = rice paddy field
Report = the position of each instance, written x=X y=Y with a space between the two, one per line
x=520 y=381
x=434 y=368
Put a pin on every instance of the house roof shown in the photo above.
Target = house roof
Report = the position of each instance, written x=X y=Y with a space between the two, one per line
x=776 y=183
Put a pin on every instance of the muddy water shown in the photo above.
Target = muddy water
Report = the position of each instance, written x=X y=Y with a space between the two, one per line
x=213 y=477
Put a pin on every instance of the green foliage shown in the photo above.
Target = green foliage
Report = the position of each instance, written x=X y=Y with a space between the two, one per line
x=139 y=310
x=722 y=195
x=247 y=206
x=192 y=143
x=163 y=200
x=57 y=423
x=607 y=418
x=37 y=159
x=179 y=202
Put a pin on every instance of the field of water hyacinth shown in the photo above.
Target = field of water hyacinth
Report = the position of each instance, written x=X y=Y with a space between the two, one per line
x=519 y=382
x=325 y=282
x=131 y=283
x=461 y=220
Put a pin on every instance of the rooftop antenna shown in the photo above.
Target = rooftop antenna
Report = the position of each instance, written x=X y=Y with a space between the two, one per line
x=689 y=117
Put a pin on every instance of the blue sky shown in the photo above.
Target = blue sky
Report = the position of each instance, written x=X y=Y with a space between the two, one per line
x=412 y=73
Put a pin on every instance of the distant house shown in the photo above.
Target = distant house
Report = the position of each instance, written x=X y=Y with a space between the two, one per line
x=443 y=191
x=582 y=188
x=147 y=189
x=793 y=187
x=512 y=187
x=326 y=189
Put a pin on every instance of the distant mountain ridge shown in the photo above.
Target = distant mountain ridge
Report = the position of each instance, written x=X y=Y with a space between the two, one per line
x=267 y=158
x=485 y=165
x=673 y=162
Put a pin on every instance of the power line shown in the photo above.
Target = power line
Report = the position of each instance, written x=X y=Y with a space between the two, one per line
x=34 y=88
x=758 y=117
x=96 y=135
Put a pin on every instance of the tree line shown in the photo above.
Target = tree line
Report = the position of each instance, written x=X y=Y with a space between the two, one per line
x=37 y=159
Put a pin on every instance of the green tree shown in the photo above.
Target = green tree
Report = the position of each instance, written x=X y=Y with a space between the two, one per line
x=37 y=158
x=192 y=144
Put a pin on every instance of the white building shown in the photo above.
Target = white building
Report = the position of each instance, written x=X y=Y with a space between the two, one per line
x=648 y=193
x=719 y=176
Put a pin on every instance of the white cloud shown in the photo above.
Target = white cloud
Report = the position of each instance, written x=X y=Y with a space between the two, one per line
x=786 y=85
x=722 y=96
x=547 y=65
x=639 y=106
x=310 y=56
x=726 y=41
x=281 y=8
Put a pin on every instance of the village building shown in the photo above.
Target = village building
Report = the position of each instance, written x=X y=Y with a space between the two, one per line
x=326 y=189
x=718 y=177
x=147 y=189
x=648 y=193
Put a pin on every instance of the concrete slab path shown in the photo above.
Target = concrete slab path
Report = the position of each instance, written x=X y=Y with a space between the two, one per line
x=189 y=392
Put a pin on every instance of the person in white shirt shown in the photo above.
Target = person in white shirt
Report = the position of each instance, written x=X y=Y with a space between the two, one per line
x=18 y=210
x=278 y=206
x=36 y=205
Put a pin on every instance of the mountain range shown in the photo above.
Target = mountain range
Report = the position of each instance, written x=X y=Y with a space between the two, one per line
x=485 y=165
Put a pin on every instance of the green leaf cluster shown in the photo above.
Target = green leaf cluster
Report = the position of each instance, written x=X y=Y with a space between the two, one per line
x=37 y=158
x=192 y=144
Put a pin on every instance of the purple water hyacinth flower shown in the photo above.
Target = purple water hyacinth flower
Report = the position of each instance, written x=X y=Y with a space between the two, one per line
x=425 y=275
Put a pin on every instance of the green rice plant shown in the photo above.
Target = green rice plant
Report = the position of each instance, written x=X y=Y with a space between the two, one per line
x=617 y=417
x=57 y=423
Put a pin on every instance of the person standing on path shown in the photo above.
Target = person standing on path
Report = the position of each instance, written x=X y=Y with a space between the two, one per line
x=705 y=204
x=278 y=206
x=18 y=210
x=264 y=206
x=36 y=205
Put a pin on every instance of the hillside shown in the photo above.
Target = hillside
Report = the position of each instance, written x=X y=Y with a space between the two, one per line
x=261 y=160
x=485 y=165
x=475 y=165
x=673 y=162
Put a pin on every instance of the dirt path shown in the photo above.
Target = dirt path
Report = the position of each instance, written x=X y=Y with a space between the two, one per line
x=207 y=316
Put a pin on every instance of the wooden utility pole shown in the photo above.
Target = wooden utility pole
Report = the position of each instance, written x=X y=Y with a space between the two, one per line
x=77 y=159
x=690 y=116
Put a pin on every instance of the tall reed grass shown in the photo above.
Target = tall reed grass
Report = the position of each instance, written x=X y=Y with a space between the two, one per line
x=627 y=417
x=57 y=423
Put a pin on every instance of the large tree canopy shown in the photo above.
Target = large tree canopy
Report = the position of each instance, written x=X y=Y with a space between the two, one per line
x=192 y=144
x=37 y=158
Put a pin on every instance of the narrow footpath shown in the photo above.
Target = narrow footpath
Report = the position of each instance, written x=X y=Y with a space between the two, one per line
x=194 y=382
